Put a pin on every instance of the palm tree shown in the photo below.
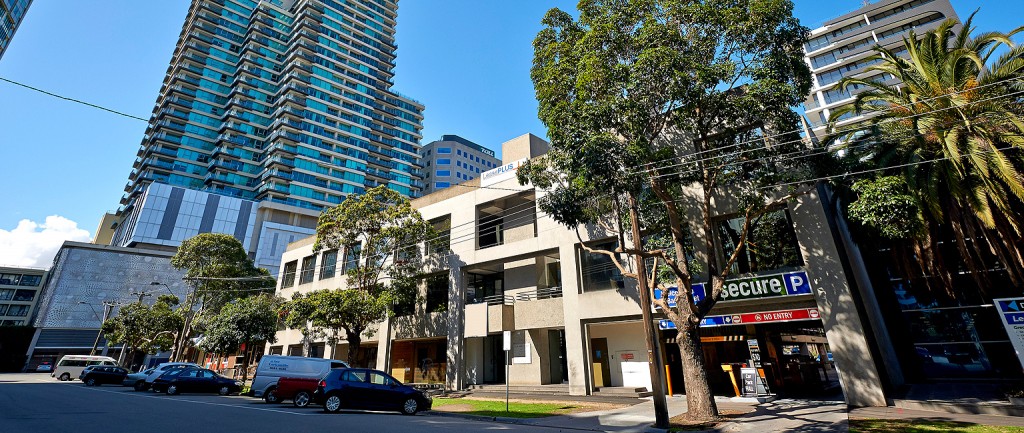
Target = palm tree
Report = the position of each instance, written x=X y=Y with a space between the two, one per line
x=953 y=130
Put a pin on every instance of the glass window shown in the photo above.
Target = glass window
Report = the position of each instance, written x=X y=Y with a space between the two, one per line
x=10 y=279
x=444 y=150
x=599 y=272
x=288 y=279
x=443 y=173
x=442 y=185
x=437 y=293
x=352 y=258
x=31 y=280
x=3 y=309
x=379 y=379
x=771 y=243
x=306 y=276
x=354 y=376
x=328 y=264
x=444 y=161
x=18 y=310
x=6 y=295
x=24 y=295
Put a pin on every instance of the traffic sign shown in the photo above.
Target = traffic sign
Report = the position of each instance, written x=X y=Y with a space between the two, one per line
x=1011 y=313
x=758 y=317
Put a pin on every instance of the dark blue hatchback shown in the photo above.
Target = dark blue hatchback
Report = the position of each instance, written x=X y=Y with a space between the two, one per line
x=360 y=388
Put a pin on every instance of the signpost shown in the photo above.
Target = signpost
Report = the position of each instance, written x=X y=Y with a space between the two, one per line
x=507 y=345
x=762 y=286
x=1011 y=313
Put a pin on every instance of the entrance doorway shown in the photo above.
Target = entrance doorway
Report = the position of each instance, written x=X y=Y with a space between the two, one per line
x=794 y=357
x=494 y=359
x=599 y=357
x=556 y=348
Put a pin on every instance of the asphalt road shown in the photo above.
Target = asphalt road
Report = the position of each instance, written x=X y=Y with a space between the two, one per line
x=34 y=403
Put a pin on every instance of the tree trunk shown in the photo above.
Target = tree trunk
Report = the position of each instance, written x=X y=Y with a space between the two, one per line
x=700 y=402
x=245 y=363
x=306 y=344
x=354 y=340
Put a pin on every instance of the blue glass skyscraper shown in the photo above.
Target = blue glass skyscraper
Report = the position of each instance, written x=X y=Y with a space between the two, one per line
x=11 y=14
x=283 y=101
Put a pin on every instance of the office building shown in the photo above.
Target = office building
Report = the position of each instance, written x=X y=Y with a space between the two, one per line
x=575 y=321
x=453 y=160
x=87 y=282
x=19 y=294
x=11 y=14
x=842 y=47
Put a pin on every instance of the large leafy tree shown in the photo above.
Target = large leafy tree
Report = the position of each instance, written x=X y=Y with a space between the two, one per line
x=218 y=270
x=382 y=226
x=149 y=328
x=947 y=140
x=656 y=110
x=241 y=325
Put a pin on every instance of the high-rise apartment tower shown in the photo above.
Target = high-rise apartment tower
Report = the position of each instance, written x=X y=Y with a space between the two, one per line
x=285 y=101
x=11 y=14
x=453 y=160
x=842 y=47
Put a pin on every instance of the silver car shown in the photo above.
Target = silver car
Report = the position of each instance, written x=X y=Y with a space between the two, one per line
x=158 y=371
x=138 y=380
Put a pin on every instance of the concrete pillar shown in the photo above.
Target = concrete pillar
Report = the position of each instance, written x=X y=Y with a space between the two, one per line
x=384 y=346
x=455 y=375
x=844 y=328
x=575 y=333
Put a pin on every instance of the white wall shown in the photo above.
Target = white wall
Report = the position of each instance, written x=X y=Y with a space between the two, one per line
x=624 y=337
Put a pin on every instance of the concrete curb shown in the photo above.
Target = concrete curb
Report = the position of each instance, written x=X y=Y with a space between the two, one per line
x=537 y=422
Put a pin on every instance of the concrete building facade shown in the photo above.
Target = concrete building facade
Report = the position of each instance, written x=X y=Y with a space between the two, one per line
x=88 y=280
x=453 y=160
x=20 y=291
x=575 y=322
x=842 y=47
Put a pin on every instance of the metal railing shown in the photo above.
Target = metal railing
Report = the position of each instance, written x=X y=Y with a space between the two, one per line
x=540 y=293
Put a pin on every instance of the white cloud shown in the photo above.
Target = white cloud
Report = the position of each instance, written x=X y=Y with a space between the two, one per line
x=32 y=244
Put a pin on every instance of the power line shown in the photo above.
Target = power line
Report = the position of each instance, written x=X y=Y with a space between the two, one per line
x=73 y=100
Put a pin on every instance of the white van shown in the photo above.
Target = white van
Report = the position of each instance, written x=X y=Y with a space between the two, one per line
x=70 y=366
x=273 y=367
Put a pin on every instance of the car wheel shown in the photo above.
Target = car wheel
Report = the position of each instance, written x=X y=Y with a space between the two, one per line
x=140 y=386
x=224 y=390
x=301 y=399
x=332 y=403
x=90 y=381
x=65 y=377
x=410 y=407
x=270 y=397
x=172 y=389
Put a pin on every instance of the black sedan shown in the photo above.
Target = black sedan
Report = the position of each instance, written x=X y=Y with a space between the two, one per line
x=194 y=379
x=357 y=388
x=95 y=375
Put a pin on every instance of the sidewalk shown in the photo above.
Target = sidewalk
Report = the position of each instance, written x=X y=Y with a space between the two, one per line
x=900 y=413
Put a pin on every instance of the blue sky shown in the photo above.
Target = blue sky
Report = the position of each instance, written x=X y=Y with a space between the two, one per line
x=467 y=60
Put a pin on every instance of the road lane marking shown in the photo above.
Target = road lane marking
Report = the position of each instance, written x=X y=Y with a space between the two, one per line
x=170 y=398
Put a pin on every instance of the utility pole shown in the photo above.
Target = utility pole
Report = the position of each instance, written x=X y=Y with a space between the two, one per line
x=653 y=349
x=107 y=307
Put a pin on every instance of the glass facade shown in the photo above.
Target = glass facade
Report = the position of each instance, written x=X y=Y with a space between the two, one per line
x=11 y=14
x=284 y=101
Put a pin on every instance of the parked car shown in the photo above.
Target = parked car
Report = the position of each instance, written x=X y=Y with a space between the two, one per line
x=137 y=380
x=273 y=367
x=159 y=370
x=297 y=389
x=71 y=366
x=96 y=375
x=357 y=388
x=44 y=367
x=194 y=379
